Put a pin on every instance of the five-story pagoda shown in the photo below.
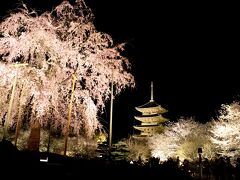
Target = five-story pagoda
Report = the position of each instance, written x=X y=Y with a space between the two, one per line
x=151 y=119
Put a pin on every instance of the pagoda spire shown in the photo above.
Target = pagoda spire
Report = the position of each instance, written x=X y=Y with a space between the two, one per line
x=151 y=92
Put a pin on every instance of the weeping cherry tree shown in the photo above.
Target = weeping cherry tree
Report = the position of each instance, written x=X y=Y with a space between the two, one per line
x=55 y=46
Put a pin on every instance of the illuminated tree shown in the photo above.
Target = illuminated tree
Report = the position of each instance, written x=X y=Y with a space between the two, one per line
x=182 y=139
x=137 y=148
x=226 y=130
x=57 y=45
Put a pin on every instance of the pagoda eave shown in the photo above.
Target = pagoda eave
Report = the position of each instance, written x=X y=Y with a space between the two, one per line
x=151 y=119
x=149 y=130
x=152 y=110
x=146 y=128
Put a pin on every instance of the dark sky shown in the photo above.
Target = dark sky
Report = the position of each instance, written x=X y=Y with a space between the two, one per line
x=190 y=51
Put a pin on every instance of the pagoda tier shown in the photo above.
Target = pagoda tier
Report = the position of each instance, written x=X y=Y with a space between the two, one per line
x=155 y=119
x=149 y=130
x=151 y=107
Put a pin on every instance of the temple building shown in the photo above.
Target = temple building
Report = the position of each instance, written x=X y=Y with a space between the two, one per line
x=150 y=121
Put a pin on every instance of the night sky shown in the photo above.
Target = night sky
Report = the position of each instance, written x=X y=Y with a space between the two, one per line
x=189 y=50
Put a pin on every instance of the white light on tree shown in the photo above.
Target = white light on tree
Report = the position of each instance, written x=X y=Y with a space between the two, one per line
x=182 y=139
x=226 y=130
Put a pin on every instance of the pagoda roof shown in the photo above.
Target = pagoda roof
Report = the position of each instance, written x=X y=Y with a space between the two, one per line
x=151 y=118
x=149 y=130
x=151 y=107
x=146 y=128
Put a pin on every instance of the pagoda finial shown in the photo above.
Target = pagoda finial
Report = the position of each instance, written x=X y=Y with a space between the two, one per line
x=151 y=91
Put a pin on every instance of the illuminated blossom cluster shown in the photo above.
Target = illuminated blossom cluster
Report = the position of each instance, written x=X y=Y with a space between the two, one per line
x=182 y=139
x=225 y=130
x=56 y=46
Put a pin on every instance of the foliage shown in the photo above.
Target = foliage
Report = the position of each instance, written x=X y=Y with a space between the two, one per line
x=225 y=130
x=101 y=137
x=137 y=148
x=57 y=45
